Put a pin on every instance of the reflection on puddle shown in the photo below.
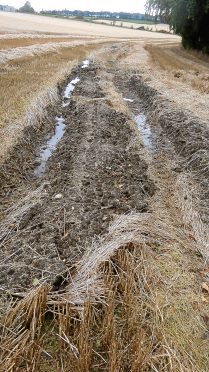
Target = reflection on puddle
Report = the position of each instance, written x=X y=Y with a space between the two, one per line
x=128 y=99
x=70 y=88
x=144 y=128
x=85 y=63
x=47 y=150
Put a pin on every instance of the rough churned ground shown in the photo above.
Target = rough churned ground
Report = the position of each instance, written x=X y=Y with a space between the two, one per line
x=99 y=173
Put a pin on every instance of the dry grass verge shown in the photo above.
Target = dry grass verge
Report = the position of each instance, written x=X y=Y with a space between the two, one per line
x=162 y=56
x=185 y=66
x=170 y=57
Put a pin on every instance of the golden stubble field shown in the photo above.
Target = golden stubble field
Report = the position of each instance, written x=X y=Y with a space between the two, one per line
x=12 y=22
x=148 y=27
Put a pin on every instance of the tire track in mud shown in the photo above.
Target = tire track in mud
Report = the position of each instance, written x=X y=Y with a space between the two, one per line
x=188 y=135
x=160 y=153
x=97 y=172
x=169 y=133
x=172 y=139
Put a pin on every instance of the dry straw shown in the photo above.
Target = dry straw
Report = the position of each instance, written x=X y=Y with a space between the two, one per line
x=38 y=49
x=118 y=274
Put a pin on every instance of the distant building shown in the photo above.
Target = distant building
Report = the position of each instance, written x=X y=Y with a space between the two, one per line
x=7 y=8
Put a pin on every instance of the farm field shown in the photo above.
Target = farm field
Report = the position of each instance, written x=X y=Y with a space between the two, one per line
x=12 y=22
x=104 y=199
x=135 y=25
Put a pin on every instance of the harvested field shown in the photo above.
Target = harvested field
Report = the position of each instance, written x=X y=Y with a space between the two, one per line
x=104 y=207
x=37 y=49
x=186 y=67
x=7 y=43
x=172 y=57
x=134 y=25
x=17 y=22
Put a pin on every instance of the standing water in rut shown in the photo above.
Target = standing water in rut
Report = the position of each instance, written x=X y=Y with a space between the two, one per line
x=145 y=130
x=143 y=125
x=85 y=63
x=50 y=146
x=47 y=150
x=70 y=88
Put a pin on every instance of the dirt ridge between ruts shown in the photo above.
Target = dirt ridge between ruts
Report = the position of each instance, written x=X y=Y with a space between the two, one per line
x=99 y=172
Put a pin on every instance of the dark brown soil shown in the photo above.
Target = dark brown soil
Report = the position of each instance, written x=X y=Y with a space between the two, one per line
x=97 y=172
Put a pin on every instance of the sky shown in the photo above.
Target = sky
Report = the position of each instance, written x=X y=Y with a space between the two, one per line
x=96 y=5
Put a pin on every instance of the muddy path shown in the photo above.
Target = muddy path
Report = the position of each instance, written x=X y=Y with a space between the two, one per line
x=89 y=162
x=106 y=175
x=100 y=153
x=96 y=172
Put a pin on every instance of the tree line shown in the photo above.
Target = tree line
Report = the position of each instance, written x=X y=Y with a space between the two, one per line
x=188 y=18
x=87 y=13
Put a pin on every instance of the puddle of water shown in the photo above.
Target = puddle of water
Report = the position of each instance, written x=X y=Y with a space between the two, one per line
x=85 y=63
x=145 y=130
x=47 y=150
x=70 y=88
x=128 y=99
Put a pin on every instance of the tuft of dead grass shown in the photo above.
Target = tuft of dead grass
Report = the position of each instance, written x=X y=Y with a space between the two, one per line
x=24 y=320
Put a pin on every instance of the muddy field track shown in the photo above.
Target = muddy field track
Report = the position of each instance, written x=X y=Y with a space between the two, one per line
x=102 y=243
x=96 y=173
